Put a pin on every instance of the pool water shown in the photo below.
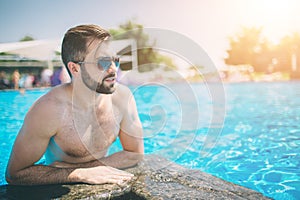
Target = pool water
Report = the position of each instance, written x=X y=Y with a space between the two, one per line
x=258 y=146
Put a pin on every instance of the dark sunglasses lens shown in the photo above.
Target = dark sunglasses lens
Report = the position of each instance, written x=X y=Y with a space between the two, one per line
x=117 y=63
x=105 y=63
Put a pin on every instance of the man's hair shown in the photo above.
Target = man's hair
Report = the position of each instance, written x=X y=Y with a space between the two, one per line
x=76 y=41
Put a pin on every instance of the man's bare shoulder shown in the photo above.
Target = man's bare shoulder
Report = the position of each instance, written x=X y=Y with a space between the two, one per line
x=50 y=106
x=45 y=115
x=55 y=97
x=122 y=90
x=122 y=93
x=122 y=96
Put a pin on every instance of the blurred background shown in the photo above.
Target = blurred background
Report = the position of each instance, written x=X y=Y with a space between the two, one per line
x=255 y=40
x=245 y=130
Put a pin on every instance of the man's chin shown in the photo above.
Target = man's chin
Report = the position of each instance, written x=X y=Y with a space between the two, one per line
x=106 y=89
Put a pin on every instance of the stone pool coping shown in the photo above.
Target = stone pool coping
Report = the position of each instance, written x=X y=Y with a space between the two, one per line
x=155 y=178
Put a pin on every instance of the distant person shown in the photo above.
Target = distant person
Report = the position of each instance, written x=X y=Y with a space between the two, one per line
x=36 y=82
x=46 y=77
x=28 y=82
x=4 y=82
x=75 y=123
x=55 y=78
x=16 y=79
x=22 y=80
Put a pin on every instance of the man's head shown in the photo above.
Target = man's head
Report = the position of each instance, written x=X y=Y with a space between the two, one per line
x=86 y=46
x=77 y=40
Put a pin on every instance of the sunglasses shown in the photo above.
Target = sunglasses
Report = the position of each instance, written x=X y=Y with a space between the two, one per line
x=104 y=63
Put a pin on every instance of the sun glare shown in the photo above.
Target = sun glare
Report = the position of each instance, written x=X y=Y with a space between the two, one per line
x=275 y=7
x=276 y=17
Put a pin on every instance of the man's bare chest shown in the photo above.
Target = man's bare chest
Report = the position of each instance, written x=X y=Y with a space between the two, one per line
x=83 y=134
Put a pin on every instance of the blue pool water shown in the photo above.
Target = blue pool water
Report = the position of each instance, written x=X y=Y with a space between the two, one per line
x=258 y=146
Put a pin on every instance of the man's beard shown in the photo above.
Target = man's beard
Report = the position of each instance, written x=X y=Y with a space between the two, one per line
x=97 y=86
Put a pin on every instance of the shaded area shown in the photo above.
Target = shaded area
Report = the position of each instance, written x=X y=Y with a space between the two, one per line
x=32 y=192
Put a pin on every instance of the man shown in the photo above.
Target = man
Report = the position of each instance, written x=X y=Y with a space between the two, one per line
x=75 y=123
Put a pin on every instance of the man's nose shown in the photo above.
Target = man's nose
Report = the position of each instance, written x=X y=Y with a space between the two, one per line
x=112 y=68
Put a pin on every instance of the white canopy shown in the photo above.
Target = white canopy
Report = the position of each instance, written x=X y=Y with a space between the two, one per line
x=45 y=49
x=37 y=49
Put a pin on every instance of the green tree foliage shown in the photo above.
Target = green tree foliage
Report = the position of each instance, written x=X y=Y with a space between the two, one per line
x=148 y=58
x=26 y=38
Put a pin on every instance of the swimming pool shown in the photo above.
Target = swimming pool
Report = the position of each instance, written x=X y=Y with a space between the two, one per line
x=258 y=147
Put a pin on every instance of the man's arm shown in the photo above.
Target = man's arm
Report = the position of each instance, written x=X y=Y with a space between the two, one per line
x=31 y=143
x=41 y=174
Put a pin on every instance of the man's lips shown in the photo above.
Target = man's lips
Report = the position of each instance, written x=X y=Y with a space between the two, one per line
x=110 y=79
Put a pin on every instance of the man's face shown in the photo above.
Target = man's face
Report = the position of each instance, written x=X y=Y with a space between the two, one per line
x=93 y=75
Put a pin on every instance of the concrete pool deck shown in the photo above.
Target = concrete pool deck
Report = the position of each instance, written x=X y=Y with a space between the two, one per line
x=155 y=178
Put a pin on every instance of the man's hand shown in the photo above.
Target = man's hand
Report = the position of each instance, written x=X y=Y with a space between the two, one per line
x=100 y=175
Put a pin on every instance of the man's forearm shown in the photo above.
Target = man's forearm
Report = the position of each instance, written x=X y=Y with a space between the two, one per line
x=122 y=159
x=41 y=174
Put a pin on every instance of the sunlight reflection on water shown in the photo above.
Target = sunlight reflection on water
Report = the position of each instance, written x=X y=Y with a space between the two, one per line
x=258 y=148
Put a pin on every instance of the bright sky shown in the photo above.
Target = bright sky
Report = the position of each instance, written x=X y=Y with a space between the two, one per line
x=207 y=22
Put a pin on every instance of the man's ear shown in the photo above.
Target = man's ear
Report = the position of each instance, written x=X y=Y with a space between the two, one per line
x=74 y=68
